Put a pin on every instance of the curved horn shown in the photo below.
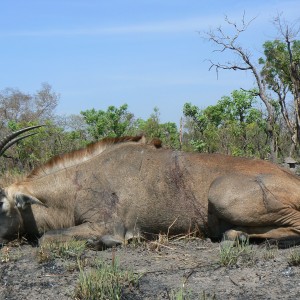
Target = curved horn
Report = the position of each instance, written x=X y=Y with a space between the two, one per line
x=12 y=138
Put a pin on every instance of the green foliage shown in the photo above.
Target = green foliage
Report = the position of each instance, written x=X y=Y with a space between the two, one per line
x=276 y=64
x=238 y=107
x=231 y=126
x=198 y=145
x=152 y=128
x=27 y=152
x=114 y=122
x=48 y=141
x=117 y=122
x=280 y=72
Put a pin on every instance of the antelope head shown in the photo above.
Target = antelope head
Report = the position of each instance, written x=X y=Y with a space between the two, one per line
x=10 y=218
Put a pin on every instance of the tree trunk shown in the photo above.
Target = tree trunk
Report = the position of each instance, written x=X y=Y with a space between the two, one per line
x=272 y=142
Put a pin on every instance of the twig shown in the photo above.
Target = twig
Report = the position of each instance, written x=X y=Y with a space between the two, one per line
x=54 y=275
x=161 y=245
x=235 y=283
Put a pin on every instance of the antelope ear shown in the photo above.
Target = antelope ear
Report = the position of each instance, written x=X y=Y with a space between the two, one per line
x=23 y=200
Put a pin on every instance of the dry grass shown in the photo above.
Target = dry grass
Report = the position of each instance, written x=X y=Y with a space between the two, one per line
x=270 y=252
x=10 y=177
x=182 y=294
x=57 y=249
x=7 y=255
x=294 y=257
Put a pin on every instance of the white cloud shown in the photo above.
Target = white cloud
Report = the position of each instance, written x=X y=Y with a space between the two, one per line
x=264 y=13
x=170 y=26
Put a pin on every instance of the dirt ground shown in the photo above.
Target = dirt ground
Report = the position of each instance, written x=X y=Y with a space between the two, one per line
x=191 y=266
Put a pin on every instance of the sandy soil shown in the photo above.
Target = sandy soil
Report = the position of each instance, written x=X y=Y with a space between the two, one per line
x=192 y=266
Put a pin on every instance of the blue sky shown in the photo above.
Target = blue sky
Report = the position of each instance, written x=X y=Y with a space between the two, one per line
x=145 y=53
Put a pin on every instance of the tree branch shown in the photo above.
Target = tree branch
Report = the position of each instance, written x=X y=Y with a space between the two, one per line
x=226 y=42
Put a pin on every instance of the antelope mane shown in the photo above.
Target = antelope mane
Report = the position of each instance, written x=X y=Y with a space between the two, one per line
x=76 y=157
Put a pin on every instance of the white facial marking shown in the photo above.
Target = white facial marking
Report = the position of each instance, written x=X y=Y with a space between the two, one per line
x=5 y=205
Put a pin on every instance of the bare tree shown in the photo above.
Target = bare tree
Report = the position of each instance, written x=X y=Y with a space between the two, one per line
x=45 y=102
x=229 y=42
x=21 y=107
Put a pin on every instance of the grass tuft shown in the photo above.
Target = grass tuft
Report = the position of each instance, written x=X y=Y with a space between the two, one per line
x=294 y=257
x=57 y=249
x=104 y=281
x=232 y=251
x=6 y=254
x=270 y=253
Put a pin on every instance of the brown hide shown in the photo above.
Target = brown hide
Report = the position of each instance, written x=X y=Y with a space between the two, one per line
x=133 y=189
